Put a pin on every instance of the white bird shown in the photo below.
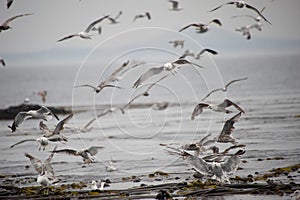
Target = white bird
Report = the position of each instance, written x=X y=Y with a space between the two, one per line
x=5 y=25
x=110 y=167
x=96 y=186
x=115 y=20
x=242 y=4
x=42 y=113
x=217 y=108
x=2 y=62
x=175 y=5
x=226 y=133
x=213 y=52
x=170 y=66
x=84 y=153
x=84 y=34
x=46 y=175
x=138 y=16
x=177 y=43
x=160 y=106
x=224 y=89
x=200 y=27
x=107 y=81
x=246 y=29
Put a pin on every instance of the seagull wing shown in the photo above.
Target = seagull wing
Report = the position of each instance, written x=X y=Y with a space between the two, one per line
x=198 y=110
x=257 y=11
x=86 y=85
x=68 y=37
x=233 y=147
x=2 y=62
x=94 y=150
x=206 y=50
x=148 y=15
x=232 y=163
x=47 y=166
x=198 y=163
x=22 y=141
x=194 y=24
x=60 y=126
x=94 y=23
x=228 y=126
x=227 y=103
x=216 y=21
x=9 y=3
x=113 y=75
x=236 y=80
x=67 y=151
x=44 y=128
x=221 y=6
x=204 y=138
x=213 y=91
x=145 y=76
x=37 y=163
x=13 y=18
x=46 y=111
x=21 y=117
x=184 y=61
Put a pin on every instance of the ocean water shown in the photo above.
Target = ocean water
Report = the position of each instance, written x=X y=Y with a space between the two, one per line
x=270 y=127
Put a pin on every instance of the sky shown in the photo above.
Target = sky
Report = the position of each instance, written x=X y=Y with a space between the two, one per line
x=32 y=40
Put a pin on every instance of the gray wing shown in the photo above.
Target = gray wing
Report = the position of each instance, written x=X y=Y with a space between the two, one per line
x=198 y=163
x=221 y=6
x=257 y=11
x=94 y=150
x=44 y=128
x=216 y=21
x=150 y=72
x=232 y=163
x=47 y=166
x=2 y=62
x=227 y=103
x=228 y=126
x=187 y=26
x=46 y=111
x=94 y=23
x=60 y=125
x=184 y=61
x=14 y=17
x=233 y=147
x=68 y=37
x=37 y=163
x=66 y=151
x=236 y=80
x=206 y=50
x=198 y=110
x=20 y=118
x=9 y=3
x=148 y=15
x=22 y=141
x=211 y=92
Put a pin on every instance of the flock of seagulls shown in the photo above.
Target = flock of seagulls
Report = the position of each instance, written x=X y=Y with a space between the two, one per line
x=217 y=165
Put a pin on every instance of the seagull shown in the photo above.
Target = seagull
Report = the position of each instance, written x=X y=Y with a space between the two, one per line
x=96 y=186
x=213 y=52
x=242 y=4
x=4 y=26
x=175 y=5
x=49 y=136
x=187 y=53
x=110 y=166
x=218 y=156
x=170 y=66
x=106 y=111
x=42 y=113
x=202 y=28
x=46 y=175
x=84 y=34
x=146 y=14
x=106 y=82
x=177 y=43
x=145 y=93
x=85 y=153
x=160 y=106
x=224 y=89
x=226 y=133
x=98 y=29
x=116 y=19
x=2 y=62
x=217 y=108
x=246 y=29
x=9 y=3
x=200 y=146
x=42 y=94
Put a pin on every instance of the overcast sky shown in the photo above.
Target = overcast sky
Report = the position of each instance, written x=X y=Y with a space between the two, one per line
x=36 y=35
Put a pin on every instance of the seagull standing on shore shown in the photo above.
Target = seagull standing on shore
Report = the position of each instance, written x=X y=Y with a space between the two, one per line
x=217 y=108
x=42 y=113
x=4 y=26
x=224 y=89
x=200 y=27
x=84 y=34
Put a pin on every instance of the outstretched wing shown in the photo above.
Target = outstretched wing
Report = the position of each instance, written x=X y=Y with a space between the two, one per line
x=194 y=24
x=228 y=126
x=236 y=80
x=213 y=91
x=67 y=37
x=184 y=61
x=60 y=125
x=22 y=141
x=94 y=150
x=66 y=151
x=94 y=23
x=44 y=128
x=86 y=85
x=9 y=3
x=145 y=76
x=37 y=163
x=206 y=50
x=221 y=6
x=46 y=111
x=227 y=103
x=148 y=15
x=13 y=18
x=198 y=110
x=257 y=11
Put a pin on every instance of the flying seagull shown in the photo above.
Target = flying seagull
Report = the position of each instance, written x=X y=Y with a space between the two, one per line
x=200 y=146
x=84 y=34
x=85 y=153
x=146 y=92
x=4 y=26
x=115 y=20
x=138 y=16
x=242 y=4
x=42 y=113
x=218 y=156
x=46 y=175
x=177 y=43
x=213 y=52
x=217 y=108
x=175 y=5
x=59 y=127
x=170 y=66
x=187 y=53
x=226 y=133
x=200 y=27
x=246 y=29
x=2 y=62
x=224 y=89
x=106 y=83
